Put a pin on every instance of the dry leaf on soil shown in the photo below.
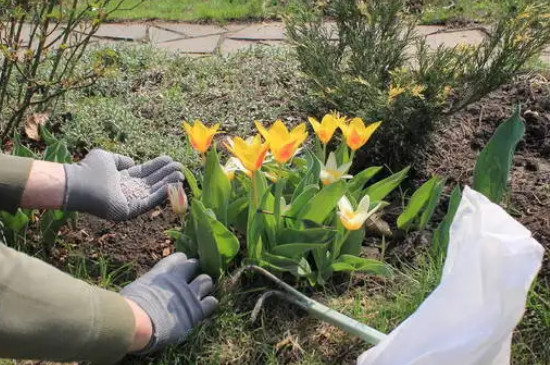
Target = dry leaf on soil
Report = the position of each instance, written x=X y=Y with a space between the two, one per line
x=33 y=124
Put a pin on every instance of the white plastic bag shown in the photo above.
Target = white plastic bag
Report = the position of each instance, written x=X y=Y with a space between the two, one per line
x=469 y=318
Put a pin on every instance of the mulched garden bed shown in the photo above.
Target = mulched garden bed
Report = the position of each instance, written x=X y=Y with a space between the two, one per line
x=456 y=147
x=452 y=155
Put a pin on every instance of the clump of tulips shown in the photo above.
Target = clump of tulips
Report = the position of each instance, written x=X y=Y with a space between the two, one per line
x=298 y=208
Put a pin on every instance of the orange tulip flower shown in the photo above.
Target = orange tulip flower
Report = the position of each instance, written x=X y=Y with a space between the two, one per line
x=325 y=130
x=200 y=136
x=356 y=134
x=282 y=142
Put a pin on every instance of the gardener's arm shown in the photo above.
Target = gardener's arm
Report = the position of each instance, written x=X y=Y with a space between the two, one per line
x=104 y=184
x=46 y=314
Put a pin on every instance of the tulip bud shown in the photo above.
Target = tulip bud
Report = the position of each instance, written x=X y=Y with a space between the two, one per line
x=178 y=199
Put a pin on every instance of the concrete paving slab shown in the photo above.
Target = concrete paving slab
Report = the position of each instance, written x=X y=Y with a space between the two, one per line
x=157 y=35
x=428 y=29
x=471 y=37
x=232 y=46
x=193 y=45
x=133 y=32
x=189 y=30
x=235 y=27
x=263 y=31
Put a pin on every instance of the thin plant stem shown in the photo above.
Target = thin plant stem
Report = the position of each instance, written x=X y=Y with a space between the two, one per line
x=347 y=324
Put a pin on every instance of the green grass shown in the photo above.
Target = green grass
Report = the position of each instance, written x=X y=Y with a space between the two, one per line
x=444 y=11
x=197 y=10
x=433 y=11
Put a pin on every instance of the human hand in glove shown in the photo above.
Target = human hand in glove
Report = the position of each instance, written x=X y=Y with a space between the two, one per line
x=172 y=299
x=104 y=184
x=110 y=186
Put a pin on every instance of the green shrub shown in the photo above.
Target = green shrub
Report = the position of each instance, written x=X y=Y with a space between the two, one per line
x=373 y=64
x=41 y=45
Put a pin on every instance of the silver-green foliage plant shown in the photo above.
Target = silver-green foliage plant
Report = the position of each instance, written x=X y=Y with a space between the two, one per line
x=41 y=45
x=365 y=58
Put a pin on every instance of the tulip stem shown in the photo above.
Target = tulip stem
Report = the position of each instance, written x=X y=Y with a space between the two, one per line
x=324 y=152
x=352 y=155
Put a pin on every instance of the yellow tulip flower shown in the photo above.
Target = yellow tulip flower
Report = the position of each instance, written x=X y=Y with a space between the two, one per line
x=251 y=152
x=356 y=134
x=282 y=142
x=325 y=130
x=352 y=219
x=200 y=136
x=331 y=172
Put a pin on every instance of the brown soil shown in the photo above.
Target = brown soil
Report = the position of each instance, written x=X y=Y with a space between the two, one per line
x=457 y=146
x=452 y=155
x=141 y=242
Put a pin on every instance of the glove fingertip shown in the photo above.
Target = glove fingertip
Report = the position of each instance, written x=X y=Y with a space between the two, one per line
x=209 y=305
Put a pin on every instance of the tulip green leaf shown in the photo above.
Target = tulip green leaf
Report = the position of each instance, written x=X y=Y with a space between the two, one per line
x=296 y=250
x=355 y=185
x=190 y=178
x=381 y=189
x=318 y=208
x=417 y=202
x=217 y=246
x=354 y=263
x=495 y=160
x=311 y=176
x=300 y=201
x=237 y=212
x=308 y=235
x=352 y=243
x=299 y=268
x=441 y=236
x=432 y=204
x=216 y=186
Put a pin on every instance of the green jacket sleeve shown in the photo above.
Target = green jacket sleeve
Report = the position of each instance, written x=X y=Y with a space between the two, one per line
x=14 y=172
x=47 y=314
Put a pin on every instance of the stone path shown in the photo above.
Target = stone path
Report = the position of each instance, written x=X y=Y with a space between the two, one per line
x=200 y=40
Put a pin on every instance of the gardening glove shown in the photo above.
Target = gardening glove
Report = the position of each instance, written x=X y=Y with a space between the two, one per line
x=109 y=186
x=174 y=297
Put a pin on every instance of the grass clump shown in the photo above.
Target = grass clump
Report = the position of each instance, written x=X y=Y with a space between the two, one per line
x=198 y=10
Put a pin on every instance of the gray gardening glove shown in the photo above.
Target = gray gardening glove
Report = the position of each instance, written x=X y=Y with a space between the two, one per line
x=109 y=186
x=174 y=297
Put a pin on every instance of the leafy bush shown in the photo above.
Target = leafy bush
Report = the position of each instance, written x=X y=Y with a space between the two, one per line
x=374 y=65
x=301 y=214
x=41 y=45
x=14 y=227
